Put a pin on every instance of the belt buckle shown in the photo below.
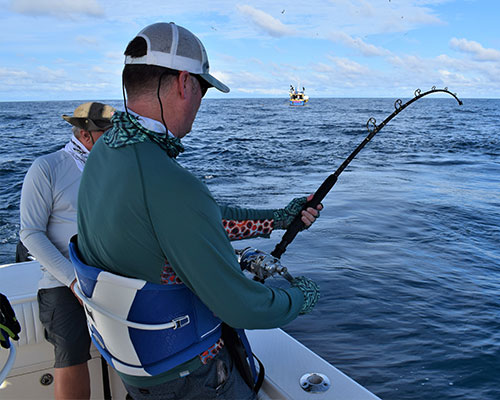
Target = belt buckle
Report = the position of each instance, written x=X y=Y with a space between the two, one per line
x=181 y=321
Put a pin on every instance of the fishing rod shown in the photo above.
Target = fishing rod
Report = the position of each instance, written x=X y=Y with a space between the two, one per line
x=262 y=265
x=297 y=225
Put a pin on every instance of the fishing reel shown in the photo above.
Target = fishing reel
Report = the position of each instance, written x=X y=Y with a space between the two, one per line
x=261 y=265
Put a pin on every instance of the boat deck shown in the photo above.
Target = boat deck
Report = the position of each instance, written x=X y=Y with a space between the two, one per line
x=285 y=359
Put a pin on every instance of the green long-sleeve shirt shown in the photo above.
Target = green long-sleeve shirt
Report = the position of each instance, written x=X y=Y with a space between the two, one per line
x=138 y=208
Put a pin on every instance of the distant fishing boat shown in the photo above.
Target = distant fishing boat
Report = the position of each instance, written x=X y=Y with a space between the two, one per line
x=298 y=98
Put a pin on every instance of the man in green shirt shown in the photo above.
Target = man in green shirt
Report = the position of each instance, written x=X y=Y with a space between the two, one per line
x=142 y=215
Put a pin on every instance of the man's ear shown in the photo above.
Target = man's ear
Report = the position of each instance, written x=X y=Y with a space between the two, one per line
x=182 y=81
x=85 y=135
x=86 y=139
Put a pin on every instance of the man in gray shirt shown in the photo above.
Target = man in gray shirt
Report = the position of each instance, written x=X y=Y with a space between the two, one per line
x=48 y=220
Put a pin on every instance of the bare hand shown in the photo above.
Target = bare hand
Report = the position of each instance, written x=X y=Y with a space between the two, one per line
x=310 y=214
x=72 y=287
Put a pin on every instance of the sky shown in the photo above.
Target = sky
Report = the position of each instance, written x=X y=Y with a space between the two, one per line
x=73 y=49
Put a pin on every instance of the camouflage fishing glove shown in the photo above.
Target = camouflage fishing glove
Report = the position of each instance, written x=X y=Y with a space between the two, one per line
x=9 y=326
x=283 y=217
x=310 y=289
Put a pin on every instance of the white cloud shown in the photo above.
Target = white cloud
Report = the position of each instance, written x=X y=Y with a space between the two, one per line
x=322 y=67
x=114 y=57
x=57 y=7
x=246 y=79
x=356 y=43
x=47 y=83
x=452 y=76
x=13 y=79
x=222 y=76
x=48 y=75
x=90 y=41
x=443 y=70
x=342 y=76
x=485 y=72
x=477 y=51
x=379 y=46
x=266 y=22
x=366 y=17
x=412 y=63
x=349 y=67
x=262 y=91
x=6 y=73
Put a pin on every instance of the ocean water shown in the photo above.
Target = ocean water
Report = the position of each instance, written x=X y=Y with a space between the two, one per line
x=406 y=251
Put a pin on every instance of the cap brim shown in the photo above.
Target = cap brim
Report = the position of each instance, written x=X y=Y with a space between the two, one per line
x=215 y=83
x=88 y=124
x=99 y=125
x=75 y=121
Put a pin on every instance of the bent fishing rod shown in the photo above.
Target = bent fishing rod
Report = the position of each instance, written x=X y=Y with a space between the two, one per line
x=263 y=265
x=297 y=225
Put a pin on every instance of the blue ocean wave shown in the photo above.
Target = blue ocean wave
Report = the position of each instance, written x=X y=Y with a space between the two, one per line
x=405 y=252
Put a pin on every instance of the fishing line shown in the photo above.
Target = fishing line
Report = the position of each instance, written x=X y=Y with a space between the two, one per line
x=159 y=101
x=158 y=90
x=297 y=224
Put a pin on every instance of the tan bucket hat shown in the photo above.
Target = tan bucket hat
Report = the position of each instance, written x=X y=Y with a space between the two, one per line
x=91 y=116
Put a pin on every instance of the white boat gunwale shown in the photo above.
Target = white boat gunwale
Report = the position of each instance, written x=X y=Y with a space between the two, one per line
x=278 y=351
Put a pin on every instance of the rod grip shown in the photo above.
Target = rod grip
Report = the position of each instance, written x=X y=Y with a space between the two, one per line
x=297 y=225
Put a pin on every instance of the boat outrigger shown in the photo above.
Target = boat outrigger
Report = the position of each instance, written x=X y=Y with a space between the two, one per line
x=298 y=98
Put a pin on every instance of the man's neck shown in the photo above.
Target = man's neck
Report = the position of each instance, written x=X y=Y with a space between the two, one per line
x=150 y=108
x=149 y=123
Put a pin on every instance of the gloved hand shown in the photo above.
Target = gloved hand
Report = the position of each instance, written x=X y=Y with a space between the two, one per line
x=9 y=326
x=283 y=217
x=310 y=290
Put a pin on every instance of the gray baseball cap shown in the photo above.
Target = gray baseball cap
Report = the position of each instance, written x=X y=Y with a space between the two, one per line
x=172 y=46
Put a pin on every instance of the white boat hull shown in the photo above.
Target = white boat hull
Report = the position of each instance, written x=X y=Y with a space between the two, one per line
x=285 y=359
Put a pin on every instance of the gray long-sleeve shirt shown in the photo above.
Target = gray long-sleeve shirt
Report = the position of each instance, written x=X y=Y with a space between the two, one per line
x=48 y=215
